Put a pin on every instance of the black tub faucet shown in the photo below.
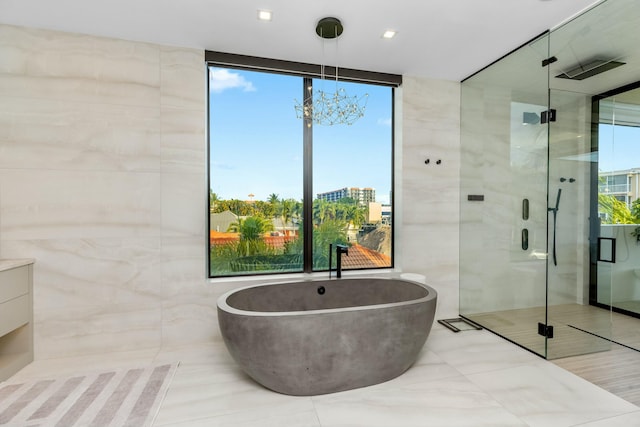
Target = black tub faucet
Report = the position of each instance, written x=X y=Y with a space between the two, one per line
x=340 y=249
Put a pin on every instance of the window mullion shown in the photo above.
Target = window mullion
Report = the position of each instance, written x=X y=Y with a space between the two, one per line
x=307 y=201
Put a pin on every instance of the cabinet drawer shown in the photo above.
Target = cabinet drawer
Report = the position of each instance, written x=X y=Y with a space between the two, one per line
x=13 y=283
x=14 y=314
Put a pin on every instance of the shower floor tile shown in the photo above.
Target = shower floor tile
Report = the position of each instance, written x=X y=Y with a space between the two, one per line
x=570 y=321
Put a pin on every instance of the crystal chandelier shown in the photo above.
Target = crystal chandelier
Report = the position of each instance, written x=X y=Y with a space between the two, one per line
x=330 y=108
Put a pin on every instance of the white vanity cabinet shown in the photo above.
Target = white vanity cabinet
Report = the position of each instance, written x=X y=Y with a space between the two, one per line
x=16 y=316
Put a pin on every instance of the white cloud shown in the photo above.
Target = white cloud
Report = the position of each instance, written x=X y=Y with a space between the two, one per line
x=220 y=80
x=224 y=166
x=385 y=122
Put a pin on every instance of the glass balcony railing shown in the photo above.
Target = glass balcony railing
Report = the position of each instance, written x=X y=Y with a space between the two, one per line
x=610 y=189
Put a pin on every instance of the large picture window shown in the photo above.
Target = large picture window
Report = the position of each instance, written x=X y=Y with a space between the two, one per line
x=272 y=173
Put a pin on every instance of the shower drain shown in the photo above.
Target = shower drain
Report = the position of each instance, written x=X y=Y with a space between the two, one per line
x=459 y=324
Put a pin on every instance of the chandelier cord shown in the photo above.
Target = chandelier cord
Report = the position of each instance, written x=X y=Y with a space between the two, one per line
x=337 y=55
x=323 y=55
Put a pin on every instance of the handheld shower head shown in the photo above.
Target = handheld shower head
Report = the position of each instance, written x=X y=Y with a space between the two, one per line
x=555 y=209
x=555 y=219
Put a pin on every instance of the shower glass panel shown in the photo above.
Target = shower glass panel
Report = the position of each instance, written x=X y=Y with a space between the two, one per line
x=550 y=254
x=579 y=328
x=606 y=190
x=617 y=285
x=595 y=53
x=619 y=172
x=503 y=246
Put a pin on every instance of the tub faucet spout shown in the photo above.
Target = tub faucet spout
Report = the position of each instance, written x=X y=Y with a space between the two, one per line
x=340 y=249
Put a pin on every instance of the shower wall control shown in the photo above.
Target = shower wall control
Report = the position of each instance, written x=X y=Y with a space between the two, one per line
x=525 y=209
x=525 y=239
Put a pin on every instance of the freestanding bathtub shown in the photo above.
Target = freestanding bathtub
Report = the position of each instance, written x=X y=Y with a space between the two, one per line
x=323 y=336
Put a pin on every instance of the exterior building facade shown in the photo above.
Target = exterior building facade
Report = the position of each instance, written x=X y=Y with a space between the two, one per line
x=624 y=185
x=362 y=195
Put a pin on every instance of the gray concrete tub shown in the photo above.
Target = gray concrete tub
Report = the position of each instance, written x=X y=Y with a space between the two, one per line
x=323 y=336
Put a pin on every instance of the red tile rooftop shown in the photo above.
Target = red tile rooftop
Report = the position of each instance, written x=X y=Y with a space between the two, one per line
x=220 y=238
x=359 y=256
x=362 y=257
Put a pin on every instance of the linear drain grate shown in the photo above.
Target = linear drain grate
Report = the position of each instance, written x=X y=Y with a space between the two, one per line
x=459 y=324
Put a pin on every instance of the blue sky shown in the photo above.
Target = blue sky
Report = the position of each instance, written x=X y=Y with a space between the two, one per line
x=618 y=148
x=257 y=139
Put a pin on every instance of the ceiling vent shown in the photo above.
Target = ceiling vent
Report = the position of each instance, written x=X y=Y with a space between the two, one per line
x=591 y=68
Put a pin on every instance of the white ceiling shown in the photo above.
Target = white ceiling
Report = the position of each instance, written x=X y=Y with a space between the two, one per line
x=444 y=39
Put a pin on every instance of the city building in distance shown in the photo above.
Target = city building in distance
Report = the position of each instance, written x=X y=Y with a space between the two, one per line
x=362 y=195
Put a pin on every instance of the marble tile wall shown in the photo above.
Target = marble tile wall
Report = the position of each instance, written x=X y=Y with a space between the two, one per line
x=103 y=182
x=430 y=192
x=507 y=163
x=570 y=159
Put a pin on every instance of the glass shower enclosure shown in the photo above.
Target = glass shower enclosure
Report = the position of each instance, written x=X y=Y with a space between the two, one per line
x=538 y=260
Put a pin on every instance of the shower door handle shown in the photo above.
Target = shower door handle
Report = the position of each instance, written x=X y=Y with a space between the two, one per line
x=607 y=249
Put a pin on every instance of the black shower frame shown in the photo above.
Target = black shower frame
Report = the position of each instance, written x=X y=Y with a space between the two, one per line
x=594 y=223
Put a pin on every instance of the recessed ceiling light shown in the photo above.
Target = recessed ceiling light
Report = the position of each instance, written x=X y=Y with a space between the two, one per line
x=389 y=34
x=265 y=15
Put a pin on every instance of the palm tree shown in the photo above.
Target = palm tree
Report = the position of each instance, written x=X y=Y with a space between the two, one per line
x=318 y=211
x=635 y=209
x=617 y=212
x=321 y=210
x=238 y=207
x=297 y=210
x=331 y=211
x=286 y=212
x=213 y=199
x=252 y=230
x=273 y=198
x=329 y=232
x=355 y=215
x=341 y=211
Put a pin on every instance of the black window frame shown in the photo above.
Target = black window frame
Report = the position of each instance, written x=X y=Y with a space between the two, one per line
x=307 y=72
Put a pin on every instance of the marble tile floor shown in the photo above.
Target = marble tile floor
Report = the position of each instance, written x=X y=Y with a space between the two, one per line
x=470 y=378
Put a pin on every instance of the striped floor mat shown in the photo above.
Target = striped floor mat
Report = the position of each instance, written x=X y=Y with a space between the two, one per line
x=108 y=399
